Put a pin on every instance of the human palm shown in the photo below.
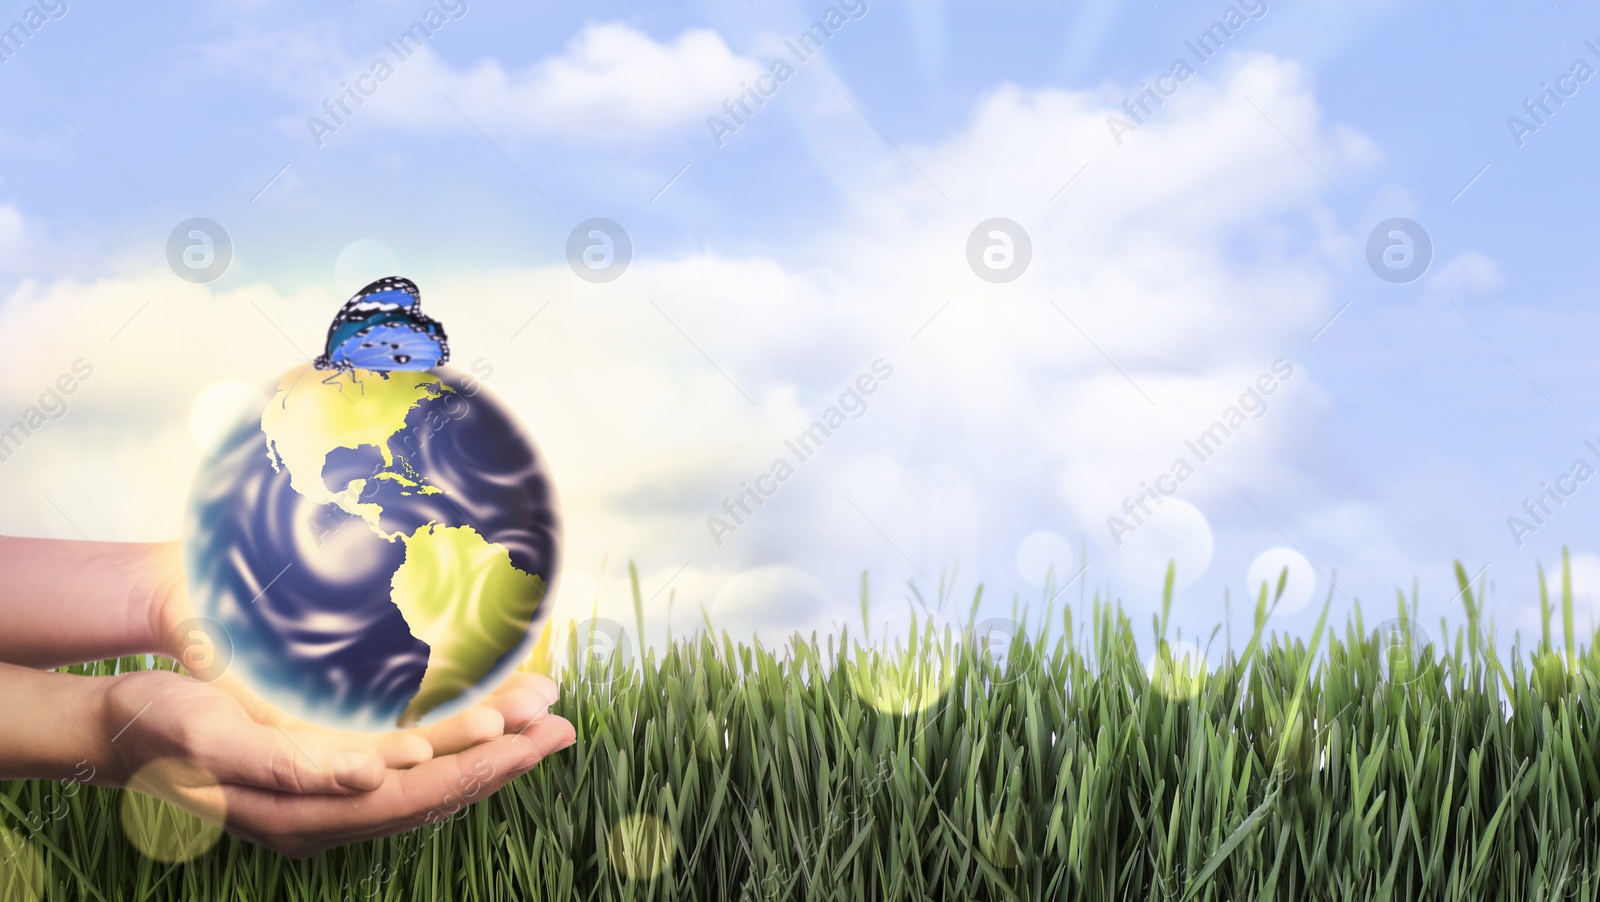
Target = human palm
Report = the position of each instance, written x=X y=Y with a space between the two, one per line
x=296 y=787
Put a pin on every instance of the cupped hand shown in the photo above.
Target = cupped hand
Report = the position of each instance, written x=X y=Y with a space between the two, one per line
x=292 y=787
x=296 y=787
x=159 y=714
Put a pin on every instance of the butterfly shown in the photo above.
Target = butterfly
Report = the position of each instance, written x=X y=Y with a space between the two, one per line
x=383 y=328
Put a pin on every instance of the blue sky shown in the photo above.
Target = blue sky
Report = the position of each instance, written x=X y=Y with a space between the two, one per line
x=1168 y=275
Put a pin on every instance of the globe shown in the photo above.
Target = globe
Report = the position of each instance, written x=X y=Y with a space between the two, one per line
x=376 y=548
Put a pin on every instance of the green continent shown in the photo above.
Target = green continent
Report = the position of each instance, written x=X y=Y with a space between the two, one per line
x=461 y=595
x=309 y=418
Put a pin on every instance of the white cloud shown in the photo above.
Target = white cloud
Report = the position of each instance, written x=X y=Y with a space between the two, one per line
x=20 y=245
x=772 y=603
x=1470 y=273
x=1585 y=600
x=611 y=82
x=1193 y=257
x=1585 y=593
x=11 y=229
x=308 y=62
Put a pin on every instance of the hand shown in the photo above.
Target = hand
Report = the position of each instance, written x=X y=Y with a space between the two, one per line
x=216 y=748
x=235 y=738
x=286 y=756
x=298 y=788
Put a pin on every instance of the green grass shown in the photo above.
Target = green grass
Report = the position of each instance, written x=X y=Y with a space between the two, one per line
x=1337 y=766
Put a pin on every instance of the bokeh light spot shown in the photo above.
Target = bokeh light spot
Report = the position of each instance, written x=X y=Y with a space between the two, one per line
x=903 y=680
x=1176 y=532
x=221 y=406
x=1268 y=568
x=1178 y=670
x=162 y=830
x=1045 y=554
x=364 y=261
x=641 y=846
x=21 y=871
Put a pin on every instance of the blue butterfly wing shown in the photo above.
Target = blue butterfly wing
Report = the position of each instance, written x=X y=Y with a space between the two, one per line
x=383 y=328
x=391 y=292
x=397 y=345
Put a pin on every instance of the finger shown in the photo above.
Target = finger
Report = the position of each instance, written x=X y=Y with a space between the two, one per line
x=477 y=724
x=302 y=824
x=537 y=681
x=523 y=699
x=398 y=750
x=402 y=750
x=438 y=815
x=310 y=762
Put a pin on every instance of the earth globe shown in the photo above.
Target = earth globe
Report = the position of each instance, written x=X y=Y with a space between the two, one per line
x=377 y=548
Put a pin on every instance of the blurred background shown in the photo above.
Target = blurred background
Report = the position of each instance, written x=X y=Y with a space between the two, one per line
x=1063 y=242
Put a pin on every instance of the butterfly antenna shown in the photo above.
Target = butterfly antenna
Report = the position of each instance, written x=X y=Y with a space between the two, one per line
x=285 y=402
